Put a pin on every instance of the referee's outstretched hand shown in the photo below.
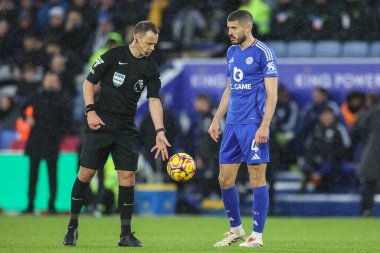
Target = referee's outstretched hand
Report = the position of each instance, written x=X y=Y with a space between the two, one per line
x=161 y=144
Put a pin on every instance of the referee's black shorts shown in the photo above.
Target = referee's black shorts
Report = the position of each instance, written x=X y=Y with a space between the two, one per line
x=118 y=138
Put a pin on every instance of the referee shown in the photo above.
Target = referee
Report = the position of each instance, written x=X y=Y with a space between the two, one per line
x=123 y=73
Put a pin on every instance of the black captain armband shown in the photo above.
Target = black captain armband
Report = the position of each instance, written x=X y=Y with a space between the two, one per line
x=89 y=108
x=160 y=130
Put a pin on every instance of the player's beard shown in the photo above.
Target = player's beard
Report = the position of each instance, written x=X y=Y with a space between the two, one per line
x=238 y=40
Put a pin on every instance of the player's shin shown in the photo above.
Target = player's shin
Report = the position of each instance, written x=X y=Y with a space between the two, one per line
x=260 y=209
x=231 y=205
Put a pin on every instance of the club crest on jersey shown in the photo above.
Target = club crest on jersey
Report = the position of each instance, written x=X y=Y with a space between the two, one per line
x=118 y=79
x=139 y=86
x=249 y=60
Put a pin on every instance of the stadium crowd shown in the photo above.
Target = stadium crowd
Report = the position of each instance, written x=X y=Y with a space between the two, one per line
x=64 y=37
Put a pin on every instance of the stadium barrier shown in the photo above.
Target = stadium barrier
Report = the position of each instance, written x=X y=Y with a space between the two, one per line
x=14 y=180
x=156 y=199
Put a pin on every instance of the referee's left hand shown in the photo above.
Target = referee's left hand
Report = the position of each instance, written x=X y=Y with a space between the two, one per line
x=161 y=144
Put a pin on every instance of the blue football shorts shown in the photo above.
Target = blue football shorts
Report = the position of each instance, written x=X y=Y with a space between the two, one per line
x=238 y=145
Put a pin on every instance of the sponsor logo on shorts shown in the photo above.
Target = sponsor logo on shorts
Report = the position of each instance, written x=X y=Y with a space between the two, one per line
x=255 y=157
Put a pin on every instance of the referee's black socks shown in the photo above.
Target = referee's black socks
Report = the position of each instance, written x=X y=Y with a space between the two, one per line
x=126 y=199
x=78 y=195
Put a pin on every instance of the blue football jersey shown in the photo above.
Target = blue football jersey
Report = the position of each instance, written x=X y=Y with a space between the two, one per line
x=247 y=69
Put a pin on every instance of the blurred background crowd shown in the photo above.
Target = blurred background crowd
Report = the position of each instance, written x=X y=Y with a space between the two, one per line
x=47 y=48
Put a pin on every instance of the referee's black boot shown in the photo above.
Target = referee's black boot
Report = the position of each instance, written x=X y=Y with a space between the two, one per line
x=71 y=237
x=129 y=240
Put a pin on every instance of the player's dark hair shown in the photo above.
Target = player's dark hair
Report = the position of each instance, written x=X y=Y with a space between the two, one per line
x=145 y=26
x=242 y=16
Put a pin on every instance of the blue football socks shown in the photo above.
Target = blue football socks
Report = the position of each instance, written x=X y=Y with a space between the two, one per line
x=260 y=207
x=231 y=205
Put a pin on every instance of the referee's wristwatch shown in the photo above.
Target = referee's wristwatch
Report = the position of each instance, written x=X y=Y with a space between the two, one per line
x=160 y=130
x=89 y=108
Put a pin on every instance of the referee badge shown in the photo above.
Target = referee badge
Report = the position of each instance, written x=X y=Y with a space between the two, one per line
x=118 y=79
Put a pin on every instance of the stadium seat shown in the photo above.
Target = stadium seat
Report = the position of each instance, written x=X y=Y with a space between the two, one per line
x=301 y=48
x=279 y=47
x=211 y=48
x=69 y=143
x=328 y=48
x=374 y=50
x=8 y=90
x=18 y=145
x=6 y=138
x=355 y=48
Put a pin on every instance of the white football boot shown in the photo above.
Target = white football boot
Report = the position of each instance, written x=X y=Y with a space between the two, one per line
x=252 y=242
x=229 y=239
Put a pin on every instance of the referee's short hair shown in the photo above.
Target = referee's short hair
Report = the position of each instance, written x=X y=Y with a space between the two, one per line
x=244 y=17
x=143 y=27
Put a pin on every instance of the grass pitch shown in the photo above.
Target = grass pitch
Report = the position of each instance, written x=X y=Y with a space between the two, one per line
x=189 y=234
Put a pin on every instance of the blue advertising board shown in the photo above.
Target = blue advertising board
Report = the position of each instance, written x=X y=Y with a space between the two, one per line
x=188 y=77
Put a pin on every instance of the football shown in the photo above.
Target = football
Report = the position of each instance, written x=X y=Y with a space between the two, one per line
x=181 y=167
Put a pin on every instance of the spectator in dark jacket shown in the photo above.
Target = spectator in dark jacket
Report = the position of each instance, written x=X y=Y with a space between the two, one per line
x=325 y=147
x=5 y=41
x=288 y=20
x=206 y=150
x=51 y=119
x=375 y=21
x=282 y=153
x=309 y=116
x=75 y=35
x=366 y=131
x=8 y=112
x=322 y=21
x=30 y=52
x=354 y=21
x=28 y=84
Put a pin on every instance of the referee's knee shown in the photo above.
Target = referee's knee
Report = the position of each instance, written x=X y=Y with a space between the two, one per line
x=85 y=174
x=126 y=178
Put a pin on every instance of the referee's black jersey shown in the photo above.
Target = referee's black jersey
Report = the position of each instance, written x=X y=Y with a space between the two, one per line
x=123 y=77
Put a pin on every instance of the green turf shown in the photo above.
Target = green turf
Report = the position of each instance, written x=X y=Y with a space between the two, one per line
x=189 y=234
